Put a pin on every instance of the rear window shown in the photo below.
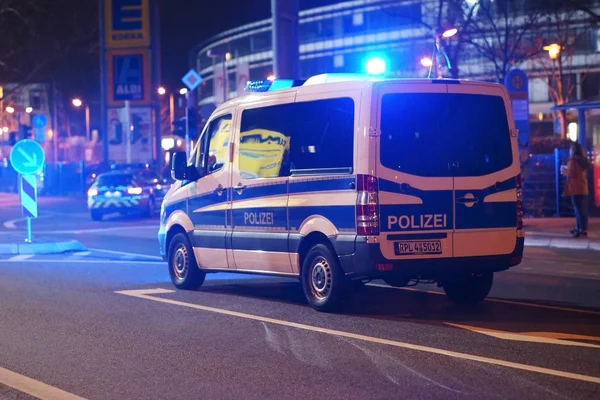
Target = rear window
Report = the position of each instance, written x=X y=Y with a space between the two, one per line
x=441 y=134
x=115 y=180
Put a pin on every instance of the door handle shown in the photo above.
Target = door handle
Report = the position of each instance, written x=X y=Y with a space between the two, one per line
x=239 y=187
x=220 y=189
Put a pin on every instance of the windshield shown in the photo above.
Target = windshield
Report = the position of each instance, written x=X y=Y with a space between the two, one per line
x=441 y=134
x=115 y=180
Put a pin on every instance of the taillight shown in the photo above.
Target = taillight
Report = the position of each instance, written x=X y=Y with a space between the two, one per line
x=519 y=203
x=92 y=192
x=367 y=205
x=134 y=190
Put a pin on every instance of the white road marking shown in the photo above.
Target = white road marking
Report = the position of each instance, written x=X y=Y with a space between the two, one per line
x=81 y=254
x=12 y=223
x=123 y=253
x=34 y=388
x=534 y=337
x=89 y=261
x=21 y=257
x=145 y=294
x=495 y=300
x=100 y=230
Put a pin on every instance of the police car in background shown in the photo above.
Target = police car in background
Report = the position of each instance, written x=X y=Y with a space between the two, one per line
x=343 y=179
x=126 y=191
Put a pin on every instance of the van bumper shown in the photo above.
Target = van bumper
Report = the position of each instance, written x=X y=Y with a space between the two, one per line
x=367 y=262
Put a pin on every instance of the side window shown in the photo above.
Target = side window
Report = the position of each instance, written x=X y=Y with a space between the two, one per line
x=324 y=136
x=264 y=141
x=291 y=138
x=213 y=146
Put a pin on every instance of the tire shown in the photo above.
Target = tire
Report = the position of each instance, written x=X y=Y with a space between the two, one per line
x=96 y=215
x=470 y=290
x=325 y=285
x=183 y=268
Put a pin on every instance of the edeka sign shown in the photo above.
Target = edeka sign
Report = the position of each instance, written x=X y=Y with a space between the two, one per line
x=127 y=23
x=129 y=77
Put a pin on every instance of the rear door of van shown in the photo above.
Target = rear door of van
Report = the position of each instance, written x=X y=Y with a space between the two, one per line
x=447 y=170
x=485 y=153
x=416 y=186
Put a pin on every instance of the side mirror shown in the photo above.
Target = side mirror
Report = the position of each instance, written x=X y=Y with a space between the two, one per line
x=179 y=166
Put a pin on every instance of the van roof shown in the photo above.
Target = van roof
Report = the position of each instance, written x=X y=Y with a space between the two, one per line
x=325 y=82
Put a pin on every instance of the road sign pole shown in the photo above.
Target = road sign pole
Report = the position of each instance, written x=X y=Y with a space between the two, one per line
x=128 y=132
x=187 y=124
x=29 y=240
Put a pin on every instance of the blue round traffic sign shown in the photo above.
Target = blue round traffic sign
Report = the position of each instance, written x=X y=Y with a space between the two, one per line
x=27 y=157
x=39 y=121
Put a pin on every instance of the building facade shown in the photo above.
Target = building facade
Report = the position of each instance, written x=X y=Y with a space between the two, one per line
x=339 y=38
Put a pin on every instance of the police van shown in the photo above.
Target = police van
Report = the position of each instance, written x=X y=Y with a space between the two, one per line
x=343 y=179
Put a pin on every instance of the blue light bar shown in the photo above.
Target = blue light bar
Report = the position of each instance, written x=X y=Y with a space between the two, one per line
x=258 y=86
x=269 y=86
x=279 y=84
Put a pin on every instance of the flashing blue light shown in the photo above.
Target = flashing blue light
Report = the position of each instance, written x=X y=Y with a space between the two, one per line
x=258 y=86
x=279 y=84
x=375 y=66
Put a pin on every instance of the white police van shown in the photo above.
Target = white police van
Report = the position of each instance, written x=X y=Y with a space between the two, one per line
x=342 y=179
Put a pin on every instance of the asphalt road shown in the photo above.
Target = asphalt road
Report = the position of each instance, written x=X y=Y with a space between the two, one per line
x=107 y=324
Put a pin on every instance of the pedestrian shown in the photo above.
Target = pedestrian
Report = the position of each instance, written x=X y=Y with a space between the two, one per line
x=577 y=187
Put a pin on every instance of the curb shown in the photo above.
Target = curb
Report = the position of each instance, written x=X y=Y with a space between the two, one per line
x=561 y=243
x=41 y=248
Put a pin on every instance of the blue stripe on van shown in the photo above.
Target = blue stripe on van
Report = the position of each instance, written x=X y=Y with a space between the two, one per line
x=252 y=192
x=343 y=216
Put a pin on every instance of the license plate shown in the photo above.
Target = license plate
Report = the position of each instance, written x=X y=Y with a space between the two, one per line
x=418 y=247
x=113 y=194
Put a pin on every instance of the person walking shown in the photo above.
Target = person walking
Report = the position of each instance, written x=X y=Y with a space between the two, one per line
x=577 y=187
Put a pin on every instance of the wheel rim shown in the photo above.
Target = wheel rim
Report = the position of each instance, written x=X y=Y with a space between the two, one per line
x=320 y=278
x=181 y=262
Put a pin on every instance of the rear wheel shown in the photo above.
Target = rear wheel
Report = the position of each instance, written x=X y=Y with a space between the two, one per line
x=183 y=267
x=471 y=289
x=325 y=285
x=96 y=215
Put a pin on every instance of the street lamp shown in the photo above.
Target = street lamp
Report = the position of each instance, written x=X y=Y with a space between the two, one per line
x=162 y=91
x=438 y=51
x=183 y=91
x=29 y=110
x=10 y=110
x=77 y=102
x=426 y=62
x=224 y=57
x=553 y=50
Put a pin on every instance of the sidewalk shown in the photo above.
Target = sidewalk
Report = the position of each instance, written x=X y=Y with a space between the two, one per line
x=554 y=232
x=15 y=244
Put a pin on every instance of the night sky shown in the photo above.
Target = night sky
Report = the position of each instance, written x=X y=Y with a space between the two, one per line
x=185 y=23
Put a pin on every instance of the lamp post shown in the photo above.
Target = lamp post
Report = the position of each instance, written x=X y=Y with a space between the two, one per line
x=77 y=103
x=223 y=57
x=438 y=51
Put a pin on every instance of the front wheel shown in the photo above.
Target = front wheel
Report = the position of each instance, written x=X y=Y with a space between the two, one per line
x=325 y=285
x=471 y=289
x=183 y=267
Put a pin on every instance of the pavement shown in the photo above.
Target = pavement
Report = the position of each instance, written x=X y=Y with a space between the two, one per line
x=555 y=233
x=106 y=323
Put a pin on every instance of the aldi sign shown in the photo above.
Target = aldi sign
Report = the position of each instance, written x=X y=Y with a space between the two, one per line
x=129 y=77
